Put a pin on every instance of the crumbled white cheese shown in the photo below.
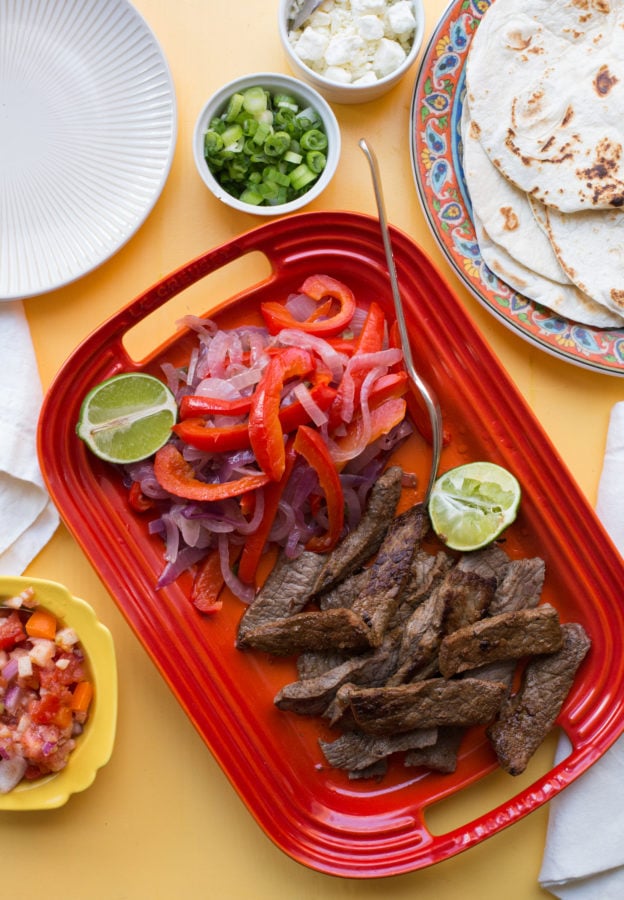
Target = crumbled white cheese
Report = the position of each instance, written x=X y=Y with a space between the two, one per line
x=356 y=41
x=401 y=17
x=388 y=57
x=312 y=44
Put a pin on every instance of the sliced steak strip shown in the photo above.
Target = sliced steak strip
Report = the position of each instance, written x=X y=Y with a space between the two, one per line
x=421 y=637
x=467 y=595
x=329 y=629
x=526 y=718
x=491 y=562
x=389 y=572
x=426 y=570
x=312 y=696
x=364 y=541
x=346 y=592
x=441 y=756
x=285 y=592
x=507 y=636
x=356 y=751
x=521 y=588
x=425 y=704
x=315 y=663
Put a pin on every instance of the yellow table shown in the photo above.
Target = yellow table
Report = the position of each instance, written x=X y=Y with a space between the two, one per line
x=161 y=820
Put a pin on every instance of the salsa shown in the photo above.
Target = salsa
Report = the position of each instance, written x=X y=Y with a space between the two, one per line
x=45 y=691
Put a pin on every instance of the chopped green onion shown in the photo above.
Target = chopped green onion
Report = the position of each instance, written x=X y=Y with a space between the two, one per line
x=264 y=149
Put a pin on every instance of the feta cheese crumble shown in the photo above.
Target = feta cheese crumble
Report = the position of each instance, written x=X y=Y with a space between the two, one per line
x=356 y=41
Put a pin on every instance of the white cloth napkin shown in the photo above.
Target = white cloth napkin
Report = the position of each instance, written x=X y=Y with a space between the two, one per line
x=584 y=853
x=28 y=517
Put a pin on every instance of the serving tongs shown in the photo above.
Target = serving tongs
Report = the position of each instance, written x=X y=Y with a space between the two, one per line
x=429 y=398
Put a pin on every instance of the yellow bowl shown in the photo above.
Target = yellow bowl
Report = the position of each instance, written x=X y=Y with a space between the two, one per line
x=95 y=745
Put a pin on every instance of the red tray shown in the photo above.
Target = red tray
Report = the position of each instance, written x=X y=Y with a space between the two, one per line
x=316 y=815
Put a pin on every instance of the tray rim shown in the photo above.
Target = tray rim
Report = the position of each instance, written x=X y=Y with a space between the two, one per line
x=308 y=844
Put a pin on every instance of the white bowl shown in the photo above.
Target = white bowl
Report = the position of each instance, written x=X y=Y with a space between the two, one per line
x=338 y=92
x=274 y=83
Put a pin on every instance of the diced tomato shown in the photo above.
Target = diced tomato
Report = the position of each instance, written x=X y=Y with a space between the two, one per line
x=11 y=631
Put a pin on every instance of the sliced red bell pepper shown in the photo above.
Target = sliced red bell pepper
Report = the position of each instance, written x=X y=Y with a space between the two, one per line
x=195 y=405
x=236 y=437
x=265 y=429
x=209 y=581
x=137 y=499
x=213 y=440
x=370 y=340
x=382 y=420
x=318 y=287
x=175 y=475
x=256 y=542
x=11 y=631
x=313 y=448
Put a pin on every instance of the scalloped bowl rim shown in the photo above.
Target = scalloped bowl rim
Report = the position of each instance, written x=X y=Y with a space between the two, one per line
x=271 y=80
x=95 y=745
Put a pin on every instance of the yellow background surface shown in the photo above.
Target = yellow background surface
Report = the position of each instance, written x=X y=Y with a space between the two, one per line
x=161 y=820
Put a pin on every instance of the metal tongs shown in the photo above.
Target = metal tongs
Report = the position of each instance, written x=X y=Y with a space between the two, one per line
x=429 y=398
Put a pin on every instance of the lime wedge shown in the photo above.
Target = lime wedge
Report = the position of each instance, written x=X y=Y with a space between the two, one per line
x=127 y=417
x=472 y=504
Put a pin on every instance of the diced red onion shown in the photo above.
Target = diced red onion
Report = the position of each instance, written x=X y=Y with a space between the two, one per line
x=9 y=671
x=12 y=696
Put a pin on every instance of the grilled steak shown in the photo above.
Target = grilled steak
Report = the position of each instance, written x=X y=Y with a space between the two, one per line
x=329 y=629
x=356 y=751
x=421 y=637
x=521 y=587
x=285 y=592
x=467 y=594
x=313 y=663
x=425 y=704
x=526 y=718
x=364 y=541
x=312 y=696
x=507 y=636
x=346 y=592
x=491 y=562
x=441 y=756
x=389 y=572
x=426 y=570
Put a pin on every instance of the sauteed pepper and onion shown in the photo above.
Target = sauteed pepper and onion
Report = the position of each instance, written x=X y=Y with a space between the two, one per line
x=282 y=429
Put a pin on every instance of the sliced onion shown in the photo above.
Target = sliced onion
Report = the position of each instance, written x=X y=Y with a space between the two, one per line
x=244 y=592
x=335 y=361
x=316 y=414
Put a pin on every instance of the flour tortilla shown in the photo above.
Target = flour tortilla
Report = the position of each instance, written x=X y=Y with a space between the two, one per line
x=590 y=247
x=563 y=299
x=504 y=210
x=545 y=83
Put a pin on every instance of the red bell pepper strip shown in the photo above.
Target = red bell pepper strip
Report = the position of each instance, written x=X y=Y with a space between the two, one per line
x=175 y=475
x=256 y=542
x=213 y=440
x=236 y=437
x=313 y=448
x=195 y=405
x=382 y=420
x=209 y=581
x=265 y=429
x=318 y=287
x=137 y=499
x=370 y=340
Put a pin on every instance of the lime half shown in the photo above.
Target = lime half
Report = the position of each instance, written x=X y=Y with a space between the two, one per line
x=127 y=417
x=472 y=504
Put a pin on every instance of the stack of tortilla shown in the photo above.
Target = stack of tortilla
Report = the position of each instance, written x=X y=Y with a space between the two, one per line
x=543 y=144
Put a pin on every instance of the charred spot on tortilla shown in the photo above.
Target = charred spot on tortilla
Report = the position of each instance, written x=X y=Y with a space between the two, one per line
x=604 y=81
x=517 y=41
x=618 y=297
x=569 y=115
x=511 y=222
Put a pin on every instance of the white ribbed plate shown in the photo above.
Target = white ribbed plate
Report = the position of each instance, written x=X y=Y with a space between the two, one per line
x=87 y=134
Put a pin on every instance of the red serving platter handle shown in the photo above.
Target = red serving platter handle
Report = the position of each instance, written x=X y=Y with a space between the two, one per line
x=357 y=829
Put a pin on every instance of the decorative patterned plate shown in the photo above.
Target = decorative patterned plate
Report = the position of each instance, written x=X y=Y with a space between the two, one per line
x=87 y=133
x=436 y=153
